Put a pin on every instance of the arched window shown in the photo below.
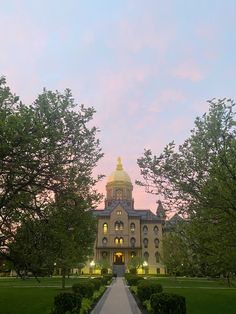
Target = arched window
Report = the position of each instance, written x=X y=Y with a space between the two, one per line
x=121 y=241
x=104 y=241
x=119 y=225
x=119 y=194
x=146 y=256
x=132 y=227
x=145 y=229
x=132 y=242
x=156 y=242
x=157 y=256
x=116 y=241
x=104 y=254
x=118 y=212
x=155 y=229
x=145 y=242
x=105 y=228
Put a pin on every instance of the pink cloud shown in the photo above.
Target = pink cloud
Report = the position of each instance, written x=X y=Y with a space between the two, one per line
x=189 y=70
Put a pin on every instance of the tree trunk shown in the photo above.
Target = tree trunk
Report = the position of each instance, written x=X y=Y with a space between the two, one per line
x=63 y=277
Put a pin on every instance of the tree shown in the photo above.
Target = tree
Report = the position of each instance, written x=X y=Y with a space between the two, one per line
x=47 y=149
x=198 y=179
x=63 y=240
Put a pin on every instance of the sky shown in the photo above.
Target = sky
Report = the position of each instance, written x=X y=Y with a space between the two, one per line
x=147 y=67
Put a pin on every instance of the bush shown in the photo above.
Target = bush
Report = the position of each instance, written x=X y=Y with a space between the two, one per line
x=67 y=302
x=133 y=280
x=168 y=303
x=85 y=289
x=146 y=288
x=97 y=282
x=106 y=279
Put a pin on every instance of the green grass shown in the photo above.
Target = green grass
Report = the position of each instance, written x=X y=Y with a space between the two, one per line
x=203 y=296
x=28 y=296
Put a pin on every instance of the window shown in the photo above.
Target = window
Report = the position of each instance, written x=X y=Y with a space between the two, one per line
x=155 y=229
x=104 y=241
x=119 y=212
x=119 y=225
x=119 y=194
x=104 y=254
x=105 y=228
x=145 y=229
x=156 y=242
x=132 y=227
x=157 y=256
x=158 y=271
x=119 y=241
x=132 y=242
x=145 y=242
x=146 y=256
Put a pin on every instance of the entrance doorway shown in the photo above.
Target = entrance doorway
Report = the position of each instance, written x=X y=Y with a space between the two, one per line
x=119 y=258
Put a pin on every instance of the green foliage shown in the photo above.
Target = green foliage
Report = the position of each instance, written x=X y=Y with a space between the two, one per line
x=198 y=179
x=67 y=302
x=133 y=280
x=47 y=154
x=106 y=279
x=168 y=303
x=85 y=289
x=146 y=288
x=134 y=264
x=97 y=282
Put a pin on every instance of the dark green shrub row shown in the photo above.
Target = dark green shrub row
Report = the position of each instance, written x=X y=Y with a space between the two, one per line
x=97 y=282
x=168 y=303
x=106 y=279
x=84 y=288
x=133 y=280
x=67 y=302
x=146 y=288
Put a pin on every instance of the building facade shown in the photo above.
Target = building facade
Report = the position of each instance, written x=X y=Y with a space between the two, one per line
x=125 y=232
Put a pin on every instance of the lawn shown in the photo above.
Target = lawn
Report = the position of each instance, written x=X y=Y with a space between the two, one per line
x=28 y=296
x=203 y=296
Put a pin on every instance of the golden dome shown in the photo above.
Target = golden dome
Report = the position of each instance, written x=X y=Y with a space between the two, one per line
x=119 y=174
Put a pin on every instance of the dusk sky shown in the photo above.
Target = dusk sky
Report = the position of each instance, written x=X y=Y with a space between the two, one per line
x=147 y=67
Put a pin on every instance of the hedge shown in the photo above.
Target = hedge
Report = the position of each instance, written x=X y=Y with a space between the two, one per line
x=133 y=280
x=67 y=302
x=146 y=288
x=85 y=289
x=168 y=303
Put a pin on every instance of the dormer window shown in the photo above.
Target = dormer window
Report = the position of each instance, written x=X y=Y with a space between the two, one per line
x=119 y=212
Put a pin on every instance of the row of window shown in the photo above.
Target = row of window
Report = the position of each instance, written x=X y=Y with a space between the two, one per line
x=133 y=254
x=120 y=241
x=119 y=225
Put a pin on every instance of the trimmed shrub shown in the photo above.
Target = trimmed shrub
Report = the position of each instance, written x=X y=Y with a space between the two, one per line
x=97 y=282
x=168 y=303
x=146 y=288
x=106 y=279
x=67 y=302
x=133 y=280
x=84 y=288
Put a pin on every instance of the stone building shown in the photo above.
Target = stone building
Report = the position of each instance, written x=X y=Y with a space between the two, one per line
x=125 y=232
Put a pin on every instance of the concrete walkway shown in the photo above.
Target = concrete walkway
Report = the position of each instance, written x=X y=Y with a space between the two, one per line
x=117 y=300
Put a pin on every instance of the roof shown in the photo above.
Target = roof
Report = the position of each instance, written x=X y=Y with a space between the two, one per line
x=143 y=214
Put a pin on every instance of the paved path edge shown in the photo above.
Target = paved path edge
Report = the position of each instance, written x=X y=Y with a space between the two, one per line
x=100 y=303
x=133 y=304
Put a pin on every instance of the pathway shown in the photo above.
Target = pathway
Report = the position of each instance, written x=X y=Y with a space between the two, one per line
x=117 y=300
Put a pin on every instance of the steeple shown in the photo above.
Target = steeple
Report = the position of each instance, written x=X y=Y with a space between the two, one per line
x=160 y=210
